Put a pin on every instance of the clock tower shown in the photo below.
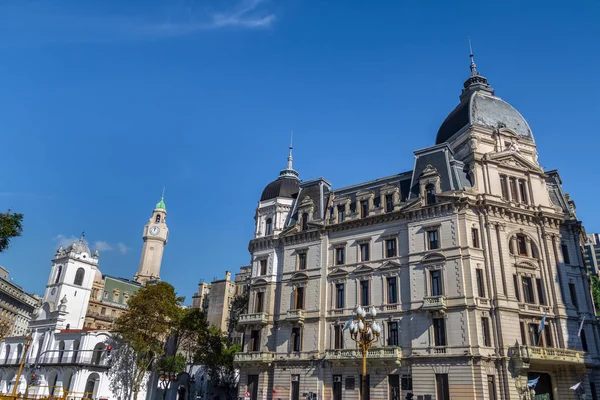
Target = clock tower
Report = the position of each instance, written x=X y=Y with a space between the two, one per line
x=155 y=237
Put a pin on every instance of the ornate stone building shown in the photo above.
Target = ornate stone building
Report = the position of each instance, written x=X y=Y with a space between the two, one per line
x=463 y=257
x=16 y=307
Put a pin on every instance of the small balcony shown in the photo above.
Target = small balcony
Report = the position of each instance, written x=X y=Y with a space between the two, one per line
x=548 y=355
x=295 y=317
x=254 y=319
x=383 y=354
x=254 y=357
x=434 y=303
x=100 y=316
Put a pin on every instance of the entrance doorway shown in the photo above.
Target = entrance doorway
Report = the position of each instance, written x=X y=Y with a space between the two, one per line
x=91 y=386
x=543 y=389
x=394 y=384
x=337 y=387
x=253 y=386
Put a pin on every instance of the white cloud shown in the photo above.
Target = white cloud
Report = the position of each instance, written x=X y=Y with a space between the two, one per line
x=100 y=245
x=244 y=15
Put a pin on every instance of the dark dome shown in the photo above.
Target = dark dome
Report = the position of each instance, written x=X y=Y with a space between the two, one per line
x=281 y=187
x=454 y=122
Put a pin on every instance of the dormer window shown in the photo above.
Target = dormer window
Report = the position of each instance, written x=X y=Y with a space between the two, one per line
x=364 y=208
x=430 y=194
x=304 y=221
x=269 y=227
x=389 y=203
x=341 y=213
x=157 y=220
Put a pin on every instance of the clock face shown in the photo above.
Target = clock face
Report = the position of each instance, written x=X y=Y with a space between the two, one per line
x=154 y=230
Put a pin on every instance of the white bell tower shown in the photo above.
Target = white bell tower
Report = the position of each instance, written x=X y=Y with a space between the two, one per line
x=155 y=237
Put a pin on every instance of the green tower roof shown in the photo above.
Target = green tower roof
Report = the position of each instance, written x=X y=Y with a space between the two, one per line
x=161 y=204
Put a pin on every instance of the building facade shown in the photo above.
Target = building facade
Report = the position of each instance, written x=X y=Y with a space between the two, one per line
x=591 y=253
x=16 y=307
x=472 y=260
x=65 y=347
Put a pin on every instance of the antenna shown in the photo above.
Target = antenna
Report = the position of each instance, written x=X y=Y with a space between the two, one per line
x=163 y=193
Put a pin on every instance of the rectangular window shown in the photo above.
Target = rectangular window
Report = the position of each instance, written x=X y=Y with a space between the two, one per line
x=304 y=221
x=534 y=336
x=516 y=284
x=527 y=289
x=565 y=251
x=393 y=334
x=341 y=210
x=364 y=252
x=513 y=189
x=390 y=248
x=340 y=256
x=521 y=245
x=394 y=385
x=407 y=382
x=492 y=387
x=436 y=283
x=573 y=293
x=295 y=387
x=389 y=203
x=364 y=208
x=540 y=291
x=523 y=192
x=339 y=302
x=503 y=187
x=548 y=334
x=364 y=293
x=259 y=302
x=485 y=331
x=338 y=340
x=475 y=237
x=255 y=341
x=439 y=331
x=103 y=311
x=263 y=267
x=584 y=344
x=296 y=339
x=433 y=239
x=480 y=286
x=392 y=285
x=441 y=386
x=302 y=260
x=299 y=298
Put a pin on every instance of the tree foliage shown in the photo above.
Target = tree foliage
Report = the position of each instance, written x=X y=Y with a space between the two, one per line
x=190 y=330
x=216 y=354
x=596 y=293
x=147 y=325
x=239 y=306
x=169 y=367
x=123 y=369
x=11 y=225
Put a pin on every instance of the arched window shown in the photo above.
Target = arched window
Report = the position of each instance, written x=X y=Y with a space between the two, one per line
x=61 y=351
x=79 y=277
x=75 y=350
x=7 y=353
x=521 y=245
x=269 y=227
x=58 y=272
x=430 y=194
x=157 y=220
x=97 y=354
x=19 y=352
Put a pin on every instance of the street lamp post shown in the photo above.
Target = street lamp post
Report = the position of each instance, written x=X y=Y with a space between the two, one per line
x=364 y=332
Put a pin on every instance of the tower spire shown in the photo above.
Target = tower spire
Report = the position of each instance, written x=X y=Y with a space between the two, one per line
x=475 y=82
x=289 y=170
x=473 y=66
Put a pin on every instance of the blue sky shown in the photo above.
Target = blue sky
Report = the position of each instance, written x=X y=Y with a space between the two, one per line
x=104 y=103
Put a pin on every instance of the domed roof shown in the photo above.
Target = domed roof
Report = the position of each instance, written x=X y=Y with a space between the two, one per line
x=281 y=187
x=479 y=106
x=161 y=204
x=485 y=110
x=78 y=247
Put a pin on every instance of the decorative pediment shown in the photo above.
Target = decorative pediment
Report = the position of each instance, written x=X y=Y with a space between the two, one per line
x=299 y=276
x=433 y=258
x=389 y=265
x=363 y=269
x=511 y=158
x=338 y=273
x=306 y=202
x=364 y=194
x=429 y=171
x=526 y=265
x=389 y=188
x=259 y=282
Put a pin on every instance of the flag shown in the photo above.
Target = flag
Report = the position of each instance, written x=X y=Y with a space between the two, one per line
x=576 y=386
x=581 y=326
x=533 y=382
x=541 y=328
x=347 y=324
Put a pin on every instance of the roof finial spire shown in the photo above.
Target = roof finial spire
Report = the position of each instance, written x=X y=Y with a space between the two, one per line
x=162 y=196
x=82 y=236
x=289 y=170
x=473 y=66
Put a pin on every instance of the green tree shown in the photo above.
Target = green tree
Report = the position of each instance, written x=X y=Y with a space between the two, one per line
x=147 y=325
x=216 y=353
x=239 y=306
x=11 y=225
x=169 y=368
x=123 y=367
x=596 y=293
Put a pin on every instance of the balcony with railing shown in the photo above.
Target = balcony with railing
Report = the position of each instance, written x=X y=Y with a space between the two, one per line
x=100 y=316
x=259 y=319
x=254 y=357
x=434 y=303
x=94 y=359
x=548 y=354
x=295 y=317
x=391 y=354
